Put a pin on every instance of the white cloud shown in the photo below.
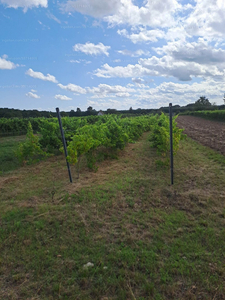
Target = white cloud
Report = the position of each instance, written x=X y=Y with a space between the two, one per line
x=53 y=17
x=199 y=52
x=92 y=49
x=94 y=8
x=143 y=35
x=137 y=53
x=177 y=33
x=34 y=91
x=102 y=90
x=6 y=64
x=75 y=61
x=129 y=71
x=32 y=95
x=72 y=88
x=41 y=76
x=181 y=94
x=207 y=19
x=43 y=26
x=62 y=97
x=122 y=95
x=162 y=95
x=25 y=4
x=116 y=12
x=153 y=13
x=166 y=66
x=86 y=62
x=138 y=80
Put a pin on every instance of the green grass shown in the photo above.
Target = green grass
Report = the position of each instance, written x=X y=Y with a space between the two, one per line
x=8 y=146
x=146 y=239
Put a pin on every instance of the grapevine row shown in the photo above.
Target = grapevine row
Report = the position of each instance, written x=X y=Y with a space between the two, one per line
x=216 y=115
x=107 y=132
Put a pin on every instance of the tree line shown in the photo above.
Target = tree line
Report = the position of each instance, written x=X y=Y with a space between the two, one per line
x=201 y=104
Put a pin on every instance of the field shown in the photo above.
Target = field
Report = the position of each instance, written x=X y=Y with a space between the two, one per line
x=208 y=133
x=144 y=238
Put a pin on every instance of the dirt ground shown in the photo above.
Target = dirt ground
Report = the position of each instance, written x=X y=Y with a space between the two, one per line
x=208 y=133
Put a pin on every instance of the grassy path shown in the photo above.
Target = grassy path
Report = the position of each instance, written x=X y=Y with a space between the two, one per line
x=143 y=238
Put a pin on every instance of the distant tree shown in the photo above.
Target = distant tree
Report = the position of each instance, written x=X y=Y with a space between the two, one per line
x=78 y=112
x=111 y=111
x=72 y=113
x=90 y=108
x=63 y=114
x=203 y=101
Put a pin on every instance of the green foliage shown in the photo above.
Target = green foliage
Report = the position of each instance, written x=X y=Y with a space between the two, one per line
x=30 y=151
x=216 y=115
x=202 y=101
x=160 y=136
x=111 y=132
x=17 y=126
x=84 y=136
x=50 y=136
x=8 y=160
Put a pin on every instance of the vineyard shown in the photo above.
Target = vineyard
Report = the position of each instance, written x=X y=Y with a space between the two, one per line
x=92 y=137
x=120 y=230
x=18 y=126
x=215 y=115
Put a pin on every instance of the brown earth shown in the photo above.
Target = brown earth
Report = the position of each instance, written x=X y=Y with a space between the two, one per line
x=208 y=133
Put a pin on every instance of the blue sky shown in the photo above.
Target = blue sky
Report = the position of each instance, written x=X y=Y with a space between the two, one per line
x=110 y=54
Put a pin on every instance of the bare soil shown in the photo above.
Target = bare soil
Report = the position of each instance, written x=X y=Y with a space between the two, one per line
x=208 y=133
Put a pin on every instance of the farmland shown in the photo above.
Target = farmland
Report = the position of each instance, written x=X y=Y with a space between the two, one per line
x=208 y=133
x=215 y=115
x=144 y=238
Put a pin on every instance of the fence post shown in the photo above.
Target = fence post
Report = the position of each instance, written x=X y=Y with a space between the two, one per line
x=171 y=142
x=64 y=142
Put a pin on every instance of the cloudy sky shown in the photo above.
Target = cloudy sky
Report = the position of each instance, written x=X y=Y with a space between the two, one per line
x=110 y=54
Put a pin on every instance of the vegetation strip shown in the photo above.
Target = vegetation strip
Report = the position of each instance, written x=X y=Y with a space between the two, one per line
x=215 y=115
x=97 y=140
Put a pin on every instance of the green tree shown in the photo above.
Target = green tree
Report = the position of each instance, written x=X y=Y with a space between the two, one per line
x=78 y=112
x=203 y=101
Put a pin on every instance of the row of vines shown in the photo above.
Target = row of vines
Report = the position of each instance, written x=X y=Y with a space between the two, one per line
x=89 y=137
x=17 y=126
x=215 y=115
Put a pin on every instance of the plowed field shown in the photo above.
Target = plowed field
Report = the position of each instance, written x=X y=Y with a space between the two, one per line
x=208 y=133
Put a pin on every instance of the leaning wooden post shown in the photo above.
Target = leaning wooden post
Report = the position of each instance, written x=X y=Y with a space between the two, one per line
x=64 y=142
x=171 y=142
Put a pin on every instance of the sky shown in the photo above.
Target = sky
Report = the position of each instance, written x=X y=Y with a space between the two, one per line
x=111 y=54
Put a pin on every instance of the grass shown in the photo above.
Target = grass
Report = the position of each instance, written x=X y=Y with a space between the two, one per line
x=8 y=146
x=145 y=238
